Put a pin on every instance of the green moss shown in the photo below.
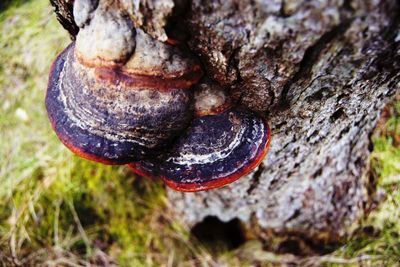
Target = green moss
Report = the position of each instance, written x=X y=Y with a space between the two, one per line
x=378 y=234
x=386 y=155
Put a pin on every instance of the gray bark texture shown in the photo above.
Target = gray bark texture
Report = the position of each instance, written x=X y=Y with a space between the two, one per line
x=321 y=72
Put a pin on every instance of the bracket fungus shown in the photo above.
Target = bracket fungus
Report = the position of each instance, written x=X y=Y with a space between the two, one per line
x=214 y=151
x=118 y=96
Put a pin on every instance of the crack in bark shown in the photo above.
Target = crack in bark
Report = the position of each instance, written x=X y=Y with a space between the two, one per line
x=256 y=178
x=310 y=56
x=63 y=10
x=233 y=64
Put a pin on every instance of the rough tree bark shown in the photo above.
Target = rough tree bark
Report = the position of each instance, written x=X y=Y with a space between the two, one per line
x=321 y=72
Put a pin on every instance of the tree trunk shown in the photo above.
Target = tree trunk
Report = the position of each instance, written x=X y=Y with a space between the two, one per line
x=321 y=72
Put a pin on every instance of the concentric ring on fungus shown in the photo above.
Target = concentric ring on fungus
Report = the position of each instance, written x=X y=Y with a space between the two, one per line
x=222 y=144
x=214 y=151
x=112 y=119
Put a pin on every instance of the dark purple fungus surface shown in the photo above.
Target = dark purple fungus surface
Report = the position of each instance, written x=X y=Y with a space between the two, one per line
x=111 y=123
x=214 y=151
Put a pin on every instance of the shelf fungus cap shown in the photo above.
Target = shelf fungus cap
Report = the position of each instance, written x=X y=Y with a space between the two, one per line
x=112 y=123
x=215 y=150
x=117 y=95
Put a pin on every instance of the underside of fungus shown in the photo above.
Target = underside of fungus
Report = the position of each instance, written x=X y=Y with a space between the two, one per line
x=118 y=96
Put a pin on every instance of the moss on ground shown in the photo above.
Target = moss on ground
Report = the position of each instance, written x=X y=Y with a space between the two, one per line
x=56 y=208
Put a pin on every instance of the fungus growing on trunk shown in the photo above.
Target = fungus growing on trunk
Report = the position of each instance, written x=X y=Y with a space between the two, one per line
x=118 y=96
x=214 y=151
x=222 y=144
x=116 y=115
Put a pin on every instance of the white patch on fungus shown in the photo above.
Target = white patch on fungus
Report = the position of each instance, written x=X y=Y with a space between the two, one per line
x=108 y=38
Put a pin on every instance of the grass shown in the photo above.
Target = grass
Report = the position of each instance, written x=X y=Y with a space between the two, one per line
x=378 y=235
x=54 y=205
x=59 y=210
